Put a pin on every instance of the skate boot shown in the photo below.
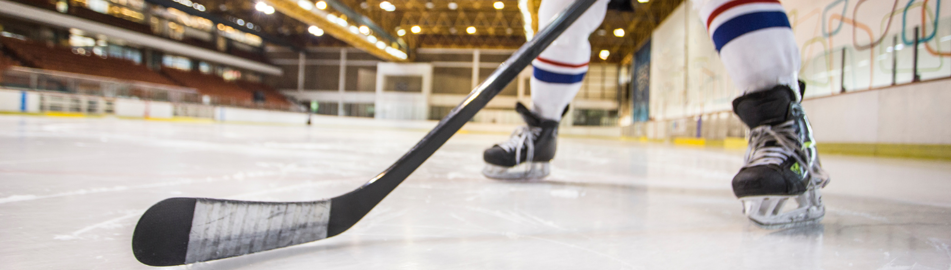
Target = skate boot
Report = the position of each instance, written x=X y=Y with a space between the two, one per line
x=781 y=162
x=527 y=153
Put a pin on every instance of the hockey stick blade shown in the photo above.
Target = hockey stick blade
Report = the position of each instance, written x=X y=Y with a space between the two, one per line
x=180 y=231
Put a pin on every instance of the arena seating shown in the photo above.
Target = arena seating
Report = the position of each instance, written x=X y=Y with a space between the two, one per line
x=56 y=58
x=88 y=14
x=6 y=62
x=227 y=93
x=43 y=56
x=271 y=96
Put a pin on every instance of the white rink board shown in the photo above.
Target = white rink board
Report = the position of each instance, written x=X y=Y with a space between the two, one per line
x=905 y=114
x=12 y=101
x=232 y=114
x=141 y=109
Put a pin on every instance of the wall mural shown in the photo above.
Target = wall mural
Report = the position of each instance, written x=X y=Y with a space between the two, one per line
x=845 y=44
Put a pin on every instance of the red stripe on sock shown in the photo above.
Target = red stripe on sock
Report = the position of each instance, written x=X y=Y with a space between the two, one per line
x=560 y=64
x=732 y=4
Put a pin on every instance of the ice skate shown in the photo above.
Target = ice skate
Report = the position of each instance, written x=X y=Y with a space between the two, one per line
x=527 y=153
x=782 y=164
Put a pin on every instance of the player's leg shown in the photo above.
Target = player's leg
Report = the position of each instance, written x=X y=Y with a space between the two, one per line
x=759 y=51
x=556 y=79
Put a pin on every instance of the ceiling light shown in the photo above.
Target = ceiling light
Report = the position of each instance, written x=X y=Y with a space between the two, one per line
x=401 y=32
x=306 y=5
x=371 y=39
x=642 y=1
x=470 y=30
x=364 y=29
x=321 y=5
x=415 y=29
x=354 y=29
x=453 y=5
x=386 y=5
x=498 y=5
x=604 y=54
x=315 y=30
x=262 y=7
x=619 y=32
x=380 y=44
x=430 y=5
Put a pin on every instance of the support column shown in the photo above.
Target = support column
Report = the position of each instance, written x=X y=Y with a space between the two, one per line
x=475 y=68
x=343 y=80
x=300 y=71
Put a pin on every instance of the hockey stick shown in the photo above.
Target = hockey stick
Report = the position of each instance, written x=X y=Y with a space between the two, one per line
x=179 y=231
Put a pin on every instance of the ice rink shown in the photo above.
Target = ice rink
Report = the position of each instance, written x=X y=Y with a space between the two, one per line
x=73 y=189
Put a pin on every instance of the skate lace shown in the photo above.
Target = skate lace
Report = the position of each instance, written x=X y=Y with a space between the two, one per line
x=523 y=137
x=786 y=145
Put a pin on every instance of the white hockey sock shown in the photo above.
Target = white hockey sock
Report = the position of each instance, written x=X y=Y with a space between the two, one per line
x=755 y=41
x=558 y=71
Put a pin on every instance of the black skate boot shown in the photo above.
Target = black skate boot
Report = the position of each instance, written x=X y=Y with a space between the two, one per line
x=781 y=161
x=527 y=153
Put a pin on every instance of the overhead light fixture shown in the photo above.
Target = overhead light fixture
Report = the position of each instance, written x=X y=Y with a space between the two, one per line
x=642 y=1
x=305 y=4
x=498 y=5
x=401 y=32
x=321 y=5
x=380 y=44
x=364 y=29
x=386 y=5
x=415 y=29
x=470 y=30
x=315 y=30
x=263 y=7
x=371 y=39
x=430 y=5
x=354 y=29
x=619 y=32
x=604 y=54
x=453 y=5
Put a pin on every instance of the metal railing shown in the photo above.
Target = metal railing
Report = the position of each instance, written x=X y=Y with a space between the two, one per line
x=66 y=82
x=90 y=85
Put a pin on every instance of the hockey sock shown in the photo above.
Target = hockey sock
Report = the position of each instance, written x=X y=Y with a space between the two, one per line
x=755 y=42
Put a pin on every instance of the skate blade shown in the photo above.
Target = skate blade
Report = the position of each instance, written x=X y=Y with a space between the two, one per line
x=524 y=171
x=769 y=212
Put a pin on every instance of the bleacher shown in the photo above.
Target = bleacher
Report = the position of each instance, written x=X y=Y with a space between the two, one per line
x=48 y=57
x=57 y=58
x=6 y=62
x=270 y=94
x=228 y=93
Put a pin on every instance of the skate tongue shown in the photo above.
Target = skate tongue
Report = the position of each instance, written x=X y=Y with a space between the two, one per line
x=769 y=107
x=530 y=118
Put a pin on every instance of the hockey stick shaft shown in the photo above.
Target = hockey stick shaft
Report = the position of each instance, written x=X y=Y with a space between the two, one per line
x=349 y=208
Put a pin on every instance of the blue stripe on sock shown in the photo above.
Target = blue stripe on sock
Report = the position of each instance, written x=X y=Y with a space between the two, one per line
x=552 y=77
x=746 y=23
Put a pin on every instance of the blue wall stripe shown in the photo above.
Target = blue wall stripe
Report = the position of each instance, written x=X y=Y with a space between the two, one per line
x=552 y=77
x=746 y=23
x=22 y=101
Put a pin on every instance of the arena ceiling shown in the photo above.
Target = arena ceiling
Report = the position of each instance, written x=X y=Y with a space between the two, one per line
x=444 y=23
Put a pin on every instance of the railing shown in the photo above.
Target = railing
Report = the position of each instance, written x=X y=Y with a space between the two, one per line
x=66 y=82
x=89 y=85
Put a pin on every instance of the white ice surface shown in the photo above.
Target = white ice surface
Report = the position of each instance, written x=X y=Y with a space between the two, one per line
x=71 y=191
